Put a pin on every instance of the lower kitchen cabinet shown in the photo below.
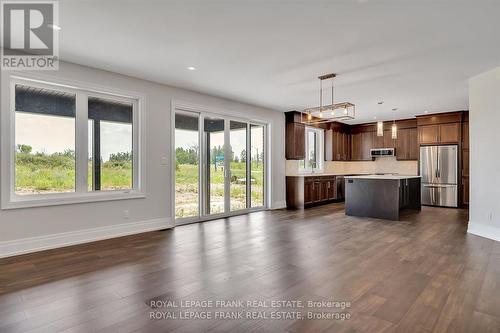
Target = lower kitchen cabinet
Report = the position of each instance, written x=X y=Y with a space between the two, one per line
x=306 y=191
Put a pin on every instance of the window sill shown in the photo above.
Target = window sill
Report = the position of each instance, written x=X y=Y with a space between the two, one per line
x=68 y=199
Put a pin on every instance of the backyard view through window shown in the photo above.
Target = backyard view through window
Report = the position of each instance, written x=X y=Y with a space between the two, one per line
x=186 y=165
x=45 y=141
x=110 y=145
x=218 y=191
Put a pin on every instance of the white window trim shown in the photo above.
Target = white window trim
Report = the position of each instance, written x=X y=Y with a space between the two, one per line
x=10 y=200
x=320 y=151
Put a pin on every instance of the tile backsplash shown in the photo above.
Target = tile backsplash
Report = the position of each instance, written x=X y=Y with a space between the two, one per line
x=380 y=165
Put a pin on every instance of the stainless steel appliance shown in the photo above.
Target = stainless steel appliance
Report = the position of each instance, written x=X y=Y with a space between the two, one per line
x=381 y=152
x=439 y=171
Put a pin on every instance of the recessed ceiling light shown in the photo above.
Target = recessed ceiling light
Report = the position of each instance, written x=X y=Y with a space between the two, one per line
x=381 y=102
x=191 y=68
x=55 y=27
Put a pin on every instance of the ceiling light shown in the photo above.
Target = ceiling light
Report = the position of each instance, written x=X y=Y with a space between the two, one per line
x=191 y=68
x=332 y=112
x=394 y=128
x=380 y=128
x=55 y=27
x=380 y=103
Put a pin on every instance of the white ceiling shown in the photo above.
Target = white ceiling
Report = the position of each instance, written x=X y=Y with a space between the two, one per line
x=414 y=55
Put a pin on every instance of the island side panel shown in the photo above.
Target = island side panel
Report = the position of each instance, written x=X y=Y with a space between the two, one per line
x=377 y=198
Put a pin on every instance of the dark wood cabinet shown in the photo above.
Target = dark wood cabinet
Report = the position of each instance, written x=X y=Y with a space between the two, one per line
x=407 y=144
x=428 y=134
x=366 y=145
x=465 y=190
x=341 y=145
x=305 y=191
x=295 y=141
x=356 y=147
x=449 y=133
x=465 y=135
x=439 y=133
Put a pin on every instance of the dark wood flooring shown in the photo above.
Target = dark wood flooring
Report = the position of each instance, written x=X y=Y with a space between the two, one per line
x=422 y=274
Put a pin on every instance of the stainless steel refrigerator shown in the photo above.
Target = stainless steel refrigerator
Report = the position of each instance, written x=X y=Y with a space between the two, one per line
x=439 y=171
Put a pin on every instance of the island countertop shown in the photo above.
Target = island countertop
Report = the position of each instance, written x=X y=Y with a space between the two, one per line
x=388 y=177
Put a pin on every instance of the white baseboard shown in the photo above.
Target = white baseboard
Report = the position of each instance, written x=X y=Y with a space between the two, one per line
x=278 y=205
x=34 y=244
x=484 y=231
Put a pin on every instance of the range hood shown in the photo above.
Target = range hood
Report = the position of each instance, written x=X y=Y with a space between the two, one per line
x=382 y=152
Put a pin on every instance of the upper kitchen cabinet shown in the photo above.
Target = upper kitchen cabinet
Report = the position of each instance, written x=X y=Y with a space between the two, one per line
x=407 y=144
x=341 y=142
x=362 y=141
x=294 y=137
x=443 y=128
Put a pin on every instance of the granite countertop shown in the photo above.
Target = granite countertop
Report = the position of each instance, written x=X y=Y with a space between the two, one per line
x=396 y=177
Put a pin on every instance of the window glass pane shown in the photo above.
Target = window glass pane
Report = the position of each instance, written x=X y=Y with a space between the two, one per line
x=45 y=141
x=311 y=149
x=215 y=191
x=257 y=165
x=238 y=165
x=186 y=165
x=112 y=155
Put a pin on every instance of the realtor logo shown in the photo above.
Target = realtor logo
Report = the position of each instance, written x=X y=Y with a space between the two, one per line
x=29 y=35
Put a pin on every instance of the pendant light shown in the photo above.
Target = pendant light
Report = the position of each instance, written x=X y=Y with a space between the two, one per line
x=394 y=128
x=380 y=124
x=380 y=128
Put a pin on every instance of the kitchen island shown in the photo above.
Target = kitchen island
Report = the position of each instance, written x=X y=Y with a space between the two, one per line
x=381 y=196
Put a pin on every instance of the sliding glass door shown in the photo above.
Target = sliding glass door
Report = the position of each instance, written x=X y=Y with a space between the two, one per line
x=220 y=166
x=238 y=166
x=214 y=166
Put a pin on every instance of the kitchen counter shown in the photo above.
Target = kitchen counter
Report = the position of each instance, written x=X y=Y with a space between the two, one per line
x=381 y=196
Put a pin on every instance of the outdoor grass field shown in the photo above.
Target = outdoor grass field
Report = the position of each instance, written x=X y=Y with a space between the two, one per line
x=55 y=173
x=186 y=189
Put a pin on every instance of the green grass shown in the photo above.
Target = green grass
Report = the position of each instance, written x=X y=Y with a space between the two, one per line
x=186 y=188
x=42 y=173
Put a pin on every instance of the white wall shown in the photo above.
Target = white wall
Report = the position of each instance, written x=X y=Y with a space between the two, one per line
x=484 y=118
x=22 y=230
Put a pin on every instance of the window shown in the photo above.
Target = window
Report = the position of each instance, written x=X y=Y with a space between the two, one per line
x=110 y=144
x=44 y=141
x=69 y=144
x=314 y=153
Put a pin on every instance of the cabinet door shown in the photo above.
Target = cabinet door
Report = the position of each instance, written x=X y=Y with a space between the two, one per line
x=324 y=189
x=295 y=141
x=346 y=147
x=316 y=191
x=332 y=189
x=337 y=146
x=465 y=163
x=449 y=133
x=378 y=141
x=428 y=134
x=465 y=190
x=413 y=144
x=388 y=141
x=308 y=192
x=465 y=135
x=402 y=144
x=356 y=154
x=367 y=145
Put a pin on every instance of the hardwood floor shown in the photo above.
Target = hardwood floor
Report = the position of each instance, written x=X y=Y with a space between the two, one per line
x=422 y=274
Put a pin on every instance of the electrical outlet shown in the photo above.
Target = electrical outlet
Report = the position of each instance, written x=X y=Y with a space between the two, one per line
x=126 y=214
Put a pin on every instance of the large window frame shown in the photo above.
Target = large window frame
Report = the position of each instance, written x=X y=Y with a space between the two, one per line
x=11 y=200
x=203 y=112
